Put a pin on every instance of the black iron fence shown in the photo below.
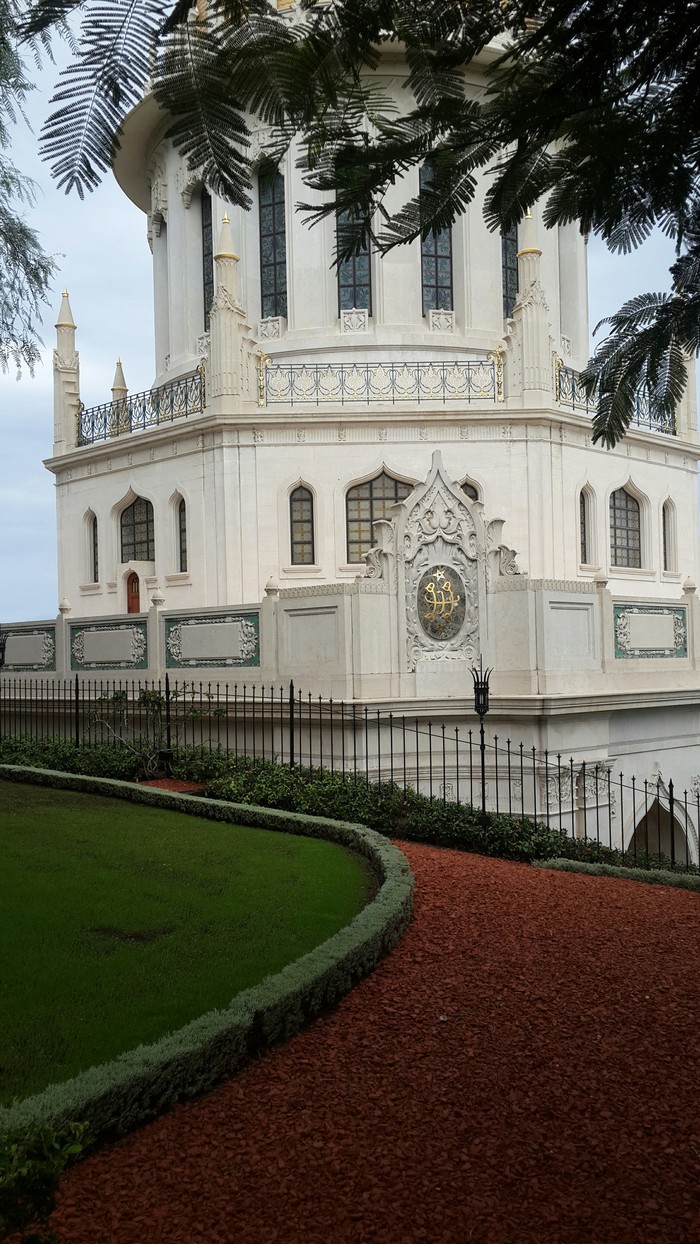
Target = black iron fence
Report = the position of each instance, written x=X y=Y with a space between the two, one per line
x=445 y=761
x=139 y=411
x=569 y=391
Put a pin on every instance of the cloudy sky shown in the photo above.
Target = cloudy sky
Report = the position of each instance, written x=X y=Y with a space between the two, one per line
x=104 y=261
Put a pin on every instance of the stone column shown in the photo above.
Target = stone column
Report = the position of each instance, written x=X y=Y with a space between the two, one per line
x=532 y=312
x=230 y=347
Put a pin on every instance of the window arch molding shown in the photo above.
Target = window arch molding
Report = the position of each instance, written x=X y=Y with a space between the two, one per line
x=587 y=525
x=118 y=512
x=179 y=527
x=471 y=489
x=365 y=501
x=668 y=528
x=630 y=489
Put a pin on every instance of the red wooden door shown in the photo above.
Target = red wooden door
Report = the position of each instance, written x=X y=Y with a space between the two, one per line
x=133 y=595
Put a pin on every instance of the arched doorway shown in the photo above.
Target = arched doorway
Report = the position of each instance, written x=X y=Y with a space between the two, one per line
x=653 y=835
x=133 y=594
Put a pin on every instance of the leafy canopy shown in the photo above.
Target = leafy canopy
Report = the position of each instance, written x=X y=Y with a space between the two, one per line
x=592 y=107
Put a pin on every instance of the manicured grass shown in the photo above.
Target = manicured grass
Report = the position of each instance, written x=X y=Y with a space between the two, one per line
x=120 y=923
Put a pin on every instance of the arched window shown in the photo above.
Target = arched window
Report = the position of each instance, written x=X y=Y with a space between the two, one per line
x=586 y=520
x=509 y=269
x=436 y=256
x=94 y=552
x=625 y=529
x=137 y=532
x=354 y=277
x=181 y=536
x=668 y=536
x=273 y=244
x=207 y=256
x=364 y=504
x=301 y=526
x=470 y=490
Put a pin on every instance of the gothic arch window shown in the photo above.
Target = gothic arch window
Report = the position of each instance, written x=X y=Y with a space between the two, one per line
x=365 y=504
x=181 y=513
x=92 y=547
x=668 y=537
x=136 y=527
x=509 y=269
x=586 y=526
x=301 y=526
x=354 y=277
x=207 y=256
x=273 y=244
x=436 y=256
x=470 y=490
x=625 y=529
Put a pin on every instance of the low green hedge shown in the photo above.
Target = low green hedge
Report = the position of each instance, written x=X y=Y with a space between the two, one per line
x=107 y=760
x=651 y=876
x=141 y=1083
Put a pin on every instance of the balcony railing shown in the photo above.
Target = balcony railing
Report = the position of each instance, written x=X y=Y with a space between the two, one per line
x=176 y=400
x=569 y=392
x=469 y=380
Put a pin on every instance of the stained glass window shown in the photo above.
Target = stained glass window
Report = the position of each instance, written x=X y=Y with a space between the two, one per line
x=301 y=526
x=365 y=503
x=436 y=258
x=207 y=257
x=625 y=529
x=137 y=532
x=273 y=245
x=182 y=535
x=94 y=550
x=509 y=269
x=583 y=525
x=354 y=278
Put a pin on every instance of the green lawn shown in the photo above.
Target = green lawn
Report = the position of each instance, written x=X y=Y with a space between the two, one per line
x=120 y=923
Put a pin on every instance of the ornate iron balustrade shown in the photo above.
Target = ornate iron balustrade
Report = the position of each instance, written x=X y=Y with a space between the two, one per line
x=467 y=380
x=570 y=392
x=176 y=400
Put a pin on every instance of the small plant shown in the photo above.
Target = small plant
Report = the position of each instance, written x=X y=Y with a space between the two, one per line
x=30 y=1167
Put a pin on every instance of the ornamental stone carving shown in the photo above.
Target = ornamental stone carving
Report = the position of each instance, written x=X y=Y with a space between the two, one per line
x=272 y=327
x=441 y=321
x=354 y=321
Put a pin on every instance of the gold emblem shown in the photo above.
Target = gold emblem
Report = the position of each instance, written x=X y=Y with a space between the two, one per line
x=439 y=598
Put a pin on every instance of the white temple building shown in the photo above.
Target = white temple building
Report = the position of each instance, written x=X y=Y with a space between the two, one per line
x=316 y=440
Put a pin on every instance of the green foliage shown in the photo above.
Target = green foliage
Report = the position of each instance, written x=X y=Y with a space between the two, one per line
x=30 y=1165
x=143 y=1082
x=650 y=876
x=102 y=760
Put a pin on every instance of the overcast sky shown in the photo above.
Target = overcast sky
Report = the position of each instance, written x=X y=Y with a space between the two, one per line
x=104 y=261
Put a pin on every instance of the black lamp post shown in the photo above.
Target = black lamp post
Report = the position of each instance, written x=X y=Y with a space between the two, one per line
x=481 y=679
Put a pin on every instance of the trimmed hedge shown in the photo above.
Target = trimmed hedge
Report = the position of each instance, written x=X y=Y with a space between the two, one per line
x=103 y=760
x=141 y=1083
x=651 y=876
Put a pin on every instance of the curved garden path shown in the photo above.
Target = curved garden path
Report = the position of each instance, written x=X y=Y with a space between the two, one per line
x=521 y=1070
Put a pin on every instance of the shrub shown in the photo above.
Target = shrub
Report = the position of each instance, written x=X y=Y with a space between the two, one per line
x=102 y=760
x=30 y=1166
x=650 y=876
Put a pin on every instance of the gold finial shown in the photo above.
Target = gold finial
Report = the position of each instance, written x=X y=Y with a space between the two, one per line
x=225 y=220
x=65 y=293
x=528 y=214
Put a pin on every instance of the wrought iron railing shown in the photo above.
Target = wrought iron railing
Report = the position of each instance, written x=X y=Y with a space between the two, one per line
x=570 y=392
x=465 y=380
x=176 y=400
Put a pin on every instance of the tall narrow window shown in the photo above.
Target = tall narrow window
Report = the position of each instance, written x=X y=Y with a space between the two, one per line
x=364 y=504
x=509 y=269
x=668 y=536
x=584 y=527
x=301 y=526
x=625 y=529
x=137 y=532
x=182 y=536
x=354 y=277
x=273 y=244
x=436 y=257
x=94 y=550
x=207 y=257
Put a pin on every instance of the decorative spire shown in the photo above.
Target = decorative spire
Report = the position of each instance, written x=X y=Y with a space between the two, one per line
x=527 y=236
x=225 y=249
x=119 y=389
x=65 y=315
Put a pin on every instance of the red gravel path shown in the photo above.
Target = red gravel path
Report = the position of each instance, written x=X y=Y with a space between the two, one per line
x=521 y=1070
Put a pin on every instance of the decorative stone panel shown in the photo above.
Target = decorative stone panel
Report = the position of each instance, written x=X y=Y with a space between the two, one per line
x=205 y=641
x=109 y=646
x=354 y=321
x=643 y=631
x=441 y=321
x=272 y=327
x=30 y=649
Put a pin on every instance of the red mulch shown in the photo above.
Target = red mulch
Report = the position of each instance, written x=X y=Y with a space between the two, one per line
x=521 y=1070
x=177 y=784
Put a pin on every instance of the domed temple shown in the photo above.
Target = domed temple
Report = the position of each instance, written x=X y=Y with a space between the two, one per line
x=320 y=442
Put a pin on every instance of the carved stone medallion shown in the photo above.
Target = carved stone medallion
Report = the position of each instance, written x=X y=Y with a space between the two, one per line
x=441 y=602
